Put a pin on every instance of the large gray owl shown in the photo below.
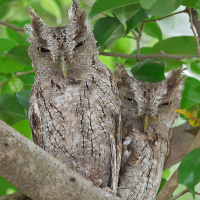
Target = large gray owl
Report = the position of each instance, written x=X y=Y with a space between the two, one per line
x=147 y=120
x=74 y=109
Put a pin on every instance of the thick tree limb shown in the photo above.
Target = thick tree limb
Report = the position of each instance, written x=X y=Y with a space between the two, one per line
x=172 y=183
x=39 y=175
x=161 y=55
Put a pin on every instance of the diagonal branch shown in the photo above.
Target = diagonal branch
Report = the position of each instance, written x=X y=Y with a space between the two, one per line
x=161 y=55
x=39 y=175
x=16 y=28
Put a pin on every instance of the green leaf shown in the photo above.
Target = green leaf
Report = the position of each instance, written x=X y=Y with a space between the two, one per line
x=107 y=30
x=191 y=94
x=51 y=7
x=6 y=187
x=160 y=7
x=126 y=12
x=190 y=3
x=8 y=66
x=23 y=98
x=132 y=23
x=15 y=84
x=24 y=128
x=20 y=38
x=163 y=182
x=3 y=10
x=5 y=1
x=176 y=45
x=10 y=110
x=103 y=5
x=188 y=171
x=5 y=45
x=150 y=70
x=152 y=29
x=19 y=54
x=166 y=173
x=195 y=68
x=3 y=79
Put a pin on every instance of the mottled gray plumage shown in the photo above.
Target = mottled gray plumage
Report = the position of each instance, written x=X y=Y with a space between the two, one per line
x=74 y=109
x=147 y=120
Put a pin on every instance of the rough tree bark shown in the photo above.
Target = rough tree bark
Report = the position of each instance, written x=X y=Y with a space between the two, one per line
x=39 y=175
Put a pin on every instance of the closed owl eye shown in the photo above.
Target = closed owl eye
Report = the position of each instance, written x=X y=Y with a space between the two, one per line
x=167 y=103
x=80 y=44
x=42 y=50
x=129 y=99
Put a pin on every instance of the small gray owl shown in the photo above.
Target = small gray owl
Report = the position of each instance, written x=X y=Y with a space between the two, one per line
x=74 y=107
x=147 y=121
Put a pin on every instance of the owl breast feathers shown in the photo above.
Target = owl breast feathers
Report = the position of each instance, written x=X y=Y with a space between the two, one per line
x=74 y=108
x=147 y=121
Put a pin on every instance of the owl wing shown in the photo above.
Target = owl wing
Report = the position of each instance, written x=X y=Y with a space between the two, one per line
x=35 y=120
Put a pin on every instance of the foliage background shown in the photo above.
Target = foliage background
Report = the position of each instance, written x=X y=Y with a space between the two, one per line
x=118 y=28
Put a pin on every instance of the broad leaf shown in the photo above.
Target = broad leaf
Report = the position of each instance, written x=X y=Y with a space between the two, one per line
x=10 y=110
x=126 y=12
x=150 y=70
x=103 y=5
x=24 y=128
x=5 y=1
x=160 y=7
x=19 y=54
x=6 y=45
x=107 y=30
x=15 y=84
x=191 y=94
x=152 y=29
x=5 y=187
x=132 y=23
x=190 y=3
x=23 y=98
x=188 y=171
x=183 y=45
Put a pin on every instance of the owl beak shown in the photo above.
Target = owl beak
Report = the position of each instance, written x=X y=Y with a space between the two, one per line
x=63 y=66
x=146 y=122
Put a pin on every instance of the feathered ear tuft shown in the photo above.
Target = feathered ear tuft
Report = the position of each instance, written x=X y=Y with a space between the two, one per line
x=77 y=18
x=37 y=23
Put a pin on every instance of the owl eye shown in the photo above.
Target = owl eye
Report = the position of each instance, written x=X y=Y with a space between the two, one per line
x=43 y=50
x=80 y=44
x=131 y=100
x=168 y=103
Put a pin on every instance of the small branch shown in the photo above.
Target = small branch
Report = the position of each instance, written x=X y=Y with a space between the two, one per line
x=172 y=183
x=179 y=194
x=16 y=28
x=192 y=28
x=24 y=73
x=153 y=20
x=161 y=55
x=38 y=174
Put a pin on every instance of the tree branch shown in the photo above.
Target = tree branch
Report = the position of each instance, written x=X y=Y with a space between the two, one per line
x=172 y=183
x=16 y=28
x=161 y=55
x=39 y=175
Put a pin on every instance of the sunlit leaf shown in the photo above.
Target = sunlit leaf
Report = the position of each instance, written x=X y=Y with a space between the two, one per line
x=188 y=171
x=150 y=70
x=160 y=7
x=192 y=113
x=5 y=187
x=107 y=30
x=176 y=45
x=15 y=84
x=126 y=12
x=24 y=128
x=132 y=23
x=103 y=5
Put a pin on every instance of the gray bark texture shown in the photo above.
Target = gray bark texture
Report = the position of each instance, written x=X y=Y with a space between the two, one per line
x=39 y=175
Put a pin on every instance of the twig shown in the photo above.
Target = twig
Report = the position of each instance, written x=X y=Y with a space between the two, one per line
x=182 y=193
x=194 y=32
x=153 y=20
x=16 y=28
x=24 y=73
x=161 y=55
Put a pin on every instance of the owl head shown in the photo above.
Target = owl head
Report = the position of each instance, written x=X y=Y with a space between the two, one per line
x=147 y=105
x=61 y=47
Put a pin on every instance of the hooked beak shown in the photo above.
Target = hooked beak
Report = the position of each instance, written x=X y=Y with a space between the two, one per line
x=63 y=66
x=147 y=121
